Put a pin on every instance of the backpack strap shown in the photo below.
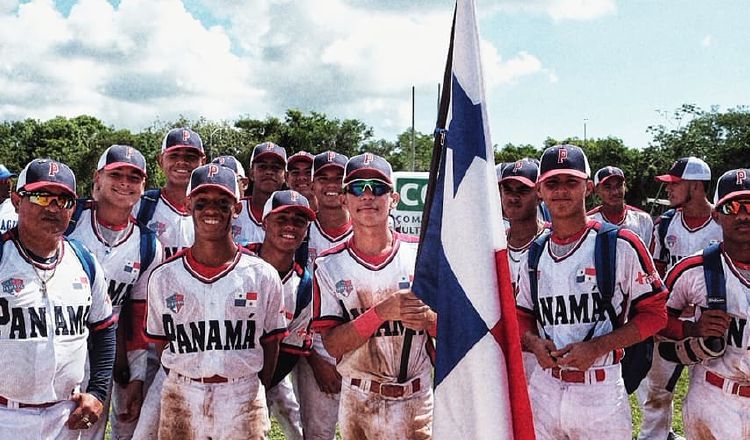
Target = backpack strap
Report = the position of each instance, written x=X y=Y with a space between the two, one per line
x=605 y=262
x=713 y=272
x=81 y=205
x=147 y=247
x=87 y=260
x=303 y=251
x=664 y=221
x=535 y=253
x=149 y=199
x=304 y=292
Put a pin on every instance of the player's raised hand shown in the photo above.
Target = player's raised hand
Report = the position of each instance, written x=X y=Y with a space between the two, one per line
x=711 y=323
x=389 y=309
x=578 y=355
x=542 y=349
x=87 y=412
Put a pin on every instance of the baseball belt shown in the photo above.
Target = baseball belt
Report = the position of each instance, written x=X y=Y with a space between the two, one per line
x=213 y=379
x=577 y=376
x=729 y=386
x=4 y=402
x=392 y=390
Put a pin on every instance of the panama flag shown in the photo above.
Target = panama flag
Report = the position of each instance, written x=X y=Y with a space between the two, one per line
x=462 y=267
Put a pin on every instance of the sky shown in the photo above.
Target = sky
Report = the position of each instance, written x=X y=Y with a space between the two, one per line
x=551 y=67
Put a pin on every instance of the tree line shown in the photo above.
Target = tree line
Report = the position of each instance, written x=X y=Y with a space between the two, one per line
x=721 y=138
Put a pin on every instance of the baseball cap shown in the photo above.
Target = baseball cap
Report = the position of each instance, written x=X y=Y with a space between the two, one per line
x=733 y=183
x=232 y=163
x=300 y=156
x=367 y=166
x=118 y=156
x=607 y=172
x=268 y=149
x=182 y=138
x=47 y=173
x=686 y=168
x=525 y=171
x=287 y=200
x=214 y=176
x=564 y=159
x=5 y=173
x=329 y=159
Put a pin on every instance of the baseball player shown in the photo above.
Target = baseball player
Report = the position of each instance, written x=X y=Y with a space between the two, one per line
x=609 y=186
x=364 y=308
x=220 y=312
x=682 y=231
x=316 y=380
x=8 y=215
x=576 y=335
x=233 y=164
x=53 y=305
x=165 y=212
x=267 y=166
x=299 y=176
x=718 y=400
x=286 y=217
x=125 y=252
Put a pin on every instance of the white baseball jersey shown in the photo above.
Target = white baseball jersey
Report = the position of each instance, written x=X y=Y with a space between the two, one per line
x=346 y=284
x=687 y=285
x=121 y=261
x=43 y=336
x=635 y=220
x=567 y=288
x=8 y=216
x=320 y=240
x=681 y=240
x=248 y=227
x=214 y=322
x=173 y=227
x=516 y=256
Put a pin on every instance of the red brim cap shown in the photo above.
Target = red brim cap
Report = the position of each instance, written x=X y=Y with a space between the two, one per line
x=367 y=173
x=42 y=185
x=609 y=177
x=185 y=147
x=328 y=165
x=309 y=213
x=569 y=172
x=205 y=186
x=732 y=195
x=668 y=178
x=115 y=165
x=521 y=179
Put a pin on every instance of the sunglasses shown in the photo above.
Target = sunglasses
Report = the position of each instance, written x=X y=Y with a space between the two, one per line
x=377 y=187
x=46 y=199
x=733 y=207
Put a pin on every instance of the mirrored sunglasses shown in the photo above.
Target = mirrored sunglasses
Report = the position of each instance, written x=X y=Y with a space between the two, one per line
x=46 y=199
x=733 y=207
x=377 y=187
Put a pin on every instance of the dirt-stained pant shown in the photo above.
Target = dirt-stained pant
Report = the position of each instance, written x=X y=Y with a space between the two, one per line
x=148 y=422
x=713 y=413
x=593 y=410
x=656 y=395
x=283 y=406
x=234 y=410
x=319 y=411
x=364 y=415
x=126 y=431
x=37 y=423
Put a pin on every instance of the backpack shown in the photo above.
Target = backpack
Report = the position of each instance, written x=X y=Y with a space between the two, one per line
x=664 y=221
x=637 y=360
x=149 y=200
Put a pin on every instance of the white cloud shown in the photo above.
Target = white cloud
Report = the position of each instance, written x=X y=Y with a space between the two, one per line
x=707 y=41
x=558 y=9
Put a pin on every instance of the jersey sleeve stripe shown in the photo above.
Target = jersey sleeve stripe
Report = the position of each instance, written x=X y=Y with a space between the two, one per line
x=104 y=323
x=681 y=267
x=279 y=333
x=327 y=322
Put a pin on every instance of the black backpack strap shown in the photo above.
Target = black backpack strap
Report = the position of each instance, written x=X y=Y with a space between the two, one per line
x=304 y=292
x=535 y=253
x=149 y=199
x=605 y=262
x=81 y=205
x=148 y=246
x=664 y=221
x=713 y=272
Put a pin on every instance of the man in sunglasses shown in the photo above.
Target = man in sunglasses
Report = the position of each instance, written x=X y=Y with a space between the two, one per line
x=219 y=311
x=718 y=398
x=53 y=305
x=370 y=319
x=8 y=215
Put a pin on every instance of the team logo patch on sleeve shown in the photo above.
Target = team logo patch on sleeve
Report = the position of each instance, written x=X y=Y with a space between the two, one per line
x=344 y=287
x=670 y=241
x=132 y=266
x=175 y=302
x=587 y=274
x=245 y=299
x=12 y=285
x=158 y=227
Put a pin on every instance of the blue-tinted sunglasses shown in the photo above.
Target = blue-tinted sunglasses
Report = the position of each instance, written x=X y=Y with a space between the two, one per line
x=377 y=187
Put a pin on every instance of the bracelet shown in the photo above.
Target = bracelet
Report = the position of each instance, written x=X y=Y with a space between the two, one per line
x=366 y=323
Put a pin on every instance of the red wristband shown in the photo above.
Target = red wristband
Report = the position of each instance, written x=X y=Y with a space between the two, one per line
x=366 y=323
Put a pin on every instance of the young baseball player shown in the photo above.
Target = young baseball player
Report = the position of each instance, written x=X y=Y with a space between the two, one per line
x=364 y=308
x=165 y=212
x=267 y=167
x=316 y=380
x=609 y=186
x=126 y=253
x=682 y=231
x=717 y=405
x=233 y=164
x=286 y=217
x=8 y=215
x=53 y=305
x=578 y=337
x=220 y=312
x=299 y=176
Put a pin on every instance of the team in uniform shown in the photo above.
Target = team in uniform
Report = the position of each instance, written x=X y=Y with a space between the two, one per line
x=296 y=303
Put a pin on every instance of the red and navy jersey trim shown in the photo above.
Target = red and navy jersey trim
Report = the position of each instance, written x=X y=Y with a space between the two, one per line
x=334 y=238
x=104 y=323
x=279 y=333
x=195 y=269
x=171 y=206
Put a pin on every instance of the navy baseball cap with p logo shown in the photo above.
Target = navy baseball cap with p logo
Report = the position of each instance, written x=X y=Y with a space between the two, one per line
x=288 y=200
x=525 y=171
x=301 y=156
x=47 y=173
x=329 y=159
x=232 y=163
x=182 y=138
x=368 y=166
x=686 y=168
x=214 y=176
x=606 y=173
x=268 y=149
x=732 y=184
x=118 y=156
x=564 y=159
